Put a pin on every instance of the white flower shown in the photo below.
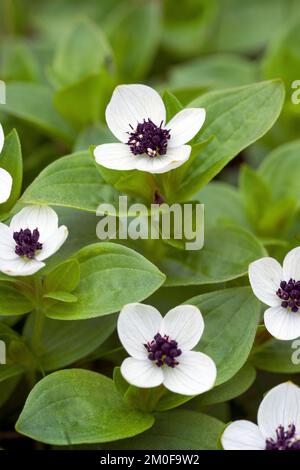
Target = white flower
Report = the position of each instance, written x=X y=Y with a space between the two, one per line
x=33 y=236
x=161 y=349
x=136 y=115
x=5 y=178
x=278 y=423
x=279 y=288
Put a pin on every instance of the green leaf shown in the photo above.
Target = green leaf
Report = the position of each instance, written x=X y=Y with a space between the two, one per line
x=282 y=58
x=9 y=371
x=11 y=161
x=175 y=177
x=18 y=61
x=285 y=187
x=281 y=357
x=173 y=105
x=223 y=204
x=278 y=218
x=83 y=102
x=242 y=25
x=257 y=106
x=7 y=389
x=66 y=275
x=231 y=318
x=111 y=276
x=64 y=342
x=78 y=407
x=180 y=429
x=82 y=51
x=256 y=194
x=134 y=33
x=234 y=387
x=12 y=302
x=213 y=72
x=137 y=184
x=61 y=296
x=170 y=400
x=81 y=226
x=226 y=255
x=72 y=181
x=18 y=356
x=284 y=183
x=33 y=103
x=119 y=381
x=186 y=29
x=92 y=136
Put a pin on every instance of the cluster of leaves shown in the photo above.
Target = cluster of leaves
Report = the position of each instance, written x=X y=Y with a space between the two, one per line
x=61 y=61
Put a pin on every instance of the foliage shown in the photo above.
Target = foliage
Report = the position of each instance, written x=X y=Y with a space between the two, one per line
x=61 y=62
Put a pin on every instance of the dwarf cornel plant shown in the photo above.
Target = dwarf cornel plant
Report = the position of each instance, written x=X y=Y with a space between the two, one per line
x=67 y=377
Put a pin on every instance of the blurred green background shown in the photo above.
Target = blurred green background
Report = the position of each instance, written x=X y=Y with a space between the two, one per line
x=61 y=60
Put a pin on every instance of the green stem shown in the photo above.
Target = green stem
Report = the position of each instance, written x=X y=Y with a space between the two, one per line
x=39 y=317
x=38 y=323
x=150 y=397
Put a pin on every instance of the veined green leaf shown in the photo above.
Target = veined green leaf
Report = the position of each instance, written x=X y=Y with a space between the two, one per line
x=111 y=276
x=77 y=406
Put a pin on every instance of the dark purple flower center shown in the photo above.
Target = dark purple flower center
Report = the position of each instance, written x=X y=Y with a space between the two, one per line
x=27 y=242
x=285 y=440
x=163 y=351
x=148 y=139
x=289 y=293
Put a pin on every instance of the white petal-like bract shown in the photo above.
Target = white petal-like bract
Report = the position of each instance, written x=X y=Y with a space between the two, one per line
x=141 y=373
x=291 y=265
x=7 y=243
x=280 y=407
x=282 y=323
x=1 y=138
x=243 y=435
x=20 y=266
x=185 y=125
x=130 y=105
x=115 y=156
x=174 y=158
x=6 y=182
x=53 y=243
x=265 y=276
x=44 y=218
x=196 y=373
x=185 y=325
x=137 y=325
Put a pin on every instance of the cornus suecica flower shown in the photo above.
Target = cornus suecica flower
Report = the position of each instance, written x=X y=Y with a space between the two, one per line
x=161 y=349
x=136 y=115
x=33 y=236
x=5 y=178
x=278 y=425
x=279 y=288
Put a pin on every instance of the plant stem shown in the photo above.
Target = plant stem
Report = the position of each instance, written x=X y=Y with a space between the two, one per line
x=39 y=317
x=150 y=397
x=37 y=329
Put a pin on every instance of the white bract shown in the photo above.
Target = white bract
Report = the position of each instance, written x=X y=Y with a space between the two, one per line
x=278 y=423
x=279 y=288
x=5 y=178
x=136 y=115
x=32 y=236
x=161 y=349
